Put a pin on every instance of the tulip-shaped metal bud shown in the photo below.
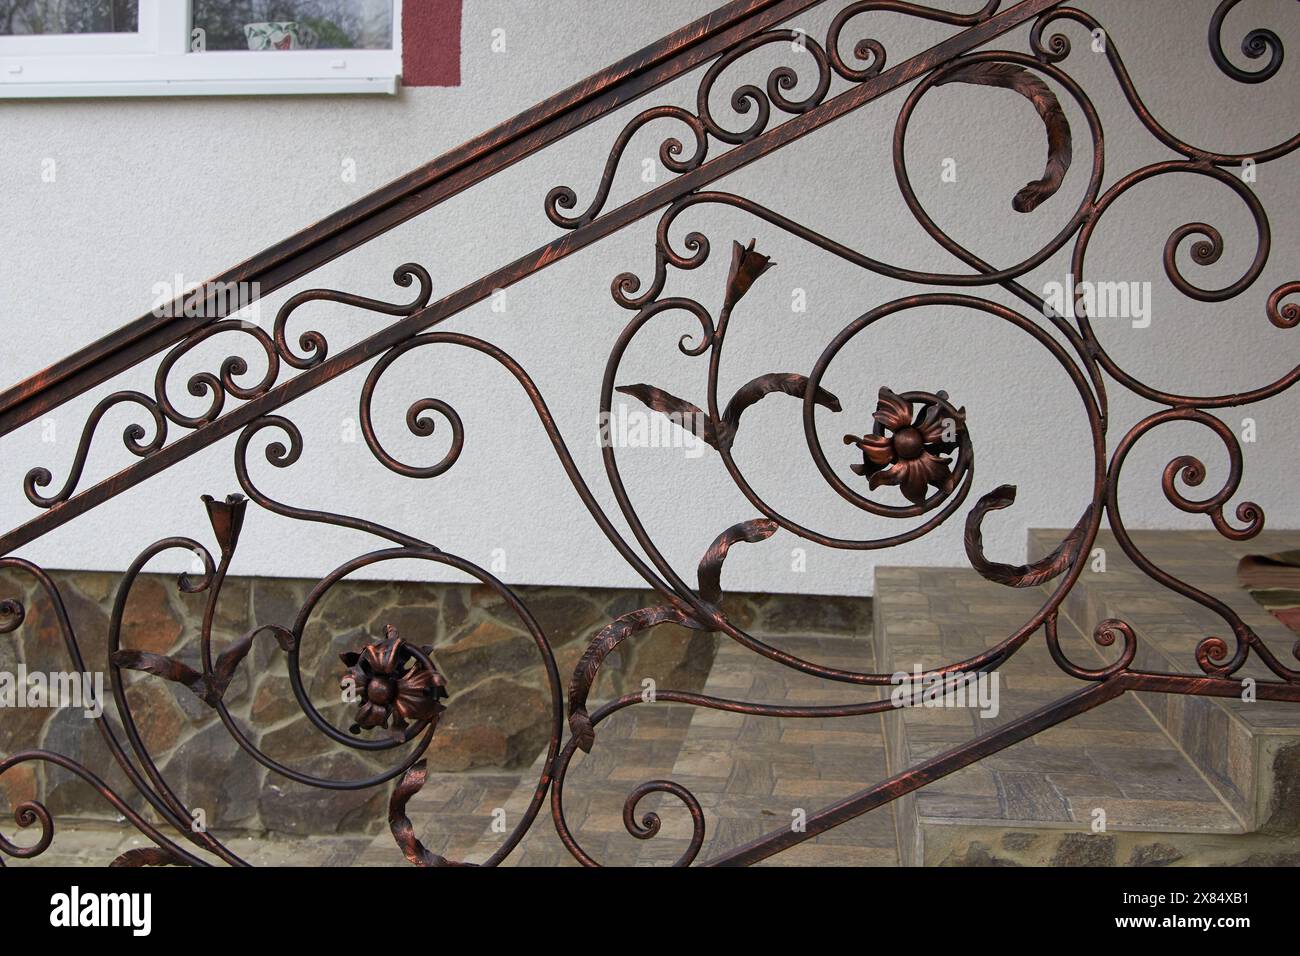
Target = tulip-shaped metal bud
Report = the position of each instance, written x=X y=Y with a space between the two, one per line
x=746 y=266
x=227 y=518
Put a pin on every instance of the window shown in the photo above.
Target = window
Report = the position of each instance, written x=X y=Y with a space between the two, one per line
x=187 y=47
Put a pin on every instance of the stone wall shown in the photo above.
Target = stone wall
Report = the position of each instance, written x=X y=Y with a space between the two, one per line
x=497 y=716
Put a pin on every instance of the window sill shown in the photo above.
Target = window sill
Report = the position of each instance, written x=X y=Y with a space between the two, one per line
x=380 y=85
x=233 y=73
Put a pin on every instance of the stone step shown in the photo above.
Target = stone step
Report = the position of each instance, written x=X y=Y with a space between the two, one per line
x=1036 y=802
x=1250 y=751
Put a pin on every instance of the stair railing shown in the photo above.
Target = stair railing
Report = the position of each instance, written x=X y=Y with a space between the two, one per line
x=920 y=441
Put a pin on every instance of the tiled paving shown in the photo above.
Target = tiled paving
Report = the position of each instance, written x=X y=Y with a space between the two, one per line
x=98 y=843
x=450 y=814
x=756 y=773
x=750 y=774
x=635 y=745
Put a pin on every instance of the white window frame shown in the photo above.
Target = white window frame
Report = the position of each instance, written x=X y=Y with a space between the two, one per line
x=157 y=61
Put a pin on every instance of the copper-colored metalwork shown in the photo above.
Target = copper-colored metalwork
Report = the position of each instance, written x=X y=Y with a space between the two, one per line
x=394 y=683
x=918 y=440
x=913 y=455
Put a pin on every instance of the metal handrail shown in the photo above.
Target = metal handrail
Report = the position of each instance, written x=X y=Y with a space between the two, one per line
x=389 y=206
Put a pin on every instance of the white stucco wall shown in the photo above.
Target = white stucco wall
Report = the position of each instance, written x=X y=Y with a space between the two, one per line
x=147 y=188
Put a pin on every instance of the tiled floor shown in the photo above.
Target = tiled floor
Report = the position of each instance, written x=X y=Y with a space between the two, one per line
x=98 y=844
x=637 y=744
x=758 y=773
x=751 y=775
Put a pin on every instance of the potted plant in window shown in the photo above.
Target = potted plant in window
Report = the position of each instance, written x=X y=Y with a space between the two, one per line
x=280 y=35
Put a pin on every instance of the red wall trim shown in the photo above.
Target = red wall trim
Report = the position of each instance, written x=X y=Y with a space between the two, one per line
x=431 y=42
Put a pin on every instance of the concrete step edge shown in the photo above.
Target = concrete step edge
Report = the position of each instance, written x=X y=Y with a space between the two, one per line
x=1251 y=794
x=913 y=826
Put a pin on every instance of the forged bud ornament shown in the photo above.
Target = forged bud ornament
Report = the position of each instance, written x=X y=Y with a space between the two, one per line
x=746 y=266
x=227 y=518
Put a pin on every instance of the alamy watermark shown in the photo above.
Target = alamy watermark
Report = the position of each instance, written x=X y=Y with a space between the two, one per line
x=974 y=690
x=73 y=909
x=55 y=690
x=1099 y=300
x=625 y=427
x=206 y=300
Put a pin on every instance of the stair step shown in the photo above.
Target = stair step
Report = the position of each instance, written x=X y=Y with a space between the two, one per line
x=1249 y=750
x=1035 y=801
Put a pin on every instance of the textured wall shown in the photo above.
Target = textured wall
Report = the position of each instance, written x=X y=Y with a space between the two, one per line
x=147 y=188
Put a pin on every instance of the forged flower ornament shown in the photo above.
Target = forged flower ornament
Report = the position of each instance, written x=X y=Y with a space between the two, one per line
x=211 y=683
x=393 y=684
x=913 y=454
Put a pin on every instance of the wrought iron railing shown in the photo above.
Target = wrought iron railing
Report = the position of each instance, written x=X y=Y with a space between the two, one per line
x=920 y=441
